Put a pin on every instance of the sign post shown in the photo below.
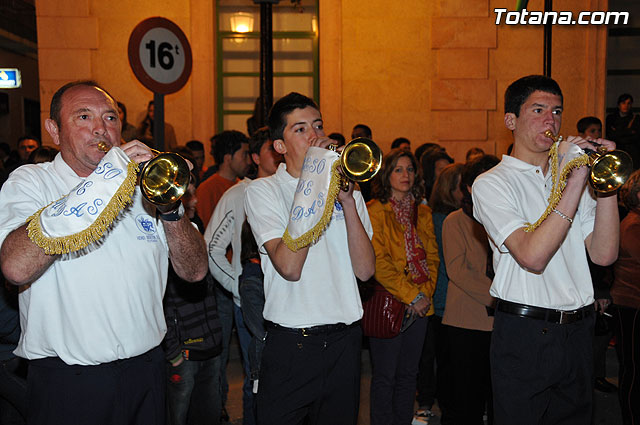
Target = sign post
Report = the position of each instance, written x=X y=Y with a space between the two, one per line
x=160 y=57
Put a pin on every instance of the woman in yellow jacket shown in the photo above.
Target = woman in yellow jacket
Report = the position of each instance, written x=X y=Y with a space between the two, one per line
x=406 y=265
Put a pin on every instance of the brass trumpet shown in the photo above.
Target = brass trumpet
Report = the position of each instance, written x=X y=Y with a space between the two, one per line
x=608 y=169
x=360 y=159
x=164 y=179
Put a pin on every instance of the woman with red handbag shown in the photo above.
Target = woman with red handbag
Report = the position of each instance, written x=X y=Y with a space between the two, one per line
x=406 y=266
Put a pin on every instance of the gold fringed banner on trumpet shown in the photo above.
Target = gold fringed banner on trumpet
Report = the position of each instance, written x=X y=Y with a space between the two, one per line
x=316 y=231
x=95 y=231
x=559 y=182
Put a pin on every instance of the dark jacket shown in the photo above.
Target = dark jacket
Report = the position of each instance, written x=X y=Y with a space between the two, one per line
x=193 y=325
x=9 y=322
x=191 y=312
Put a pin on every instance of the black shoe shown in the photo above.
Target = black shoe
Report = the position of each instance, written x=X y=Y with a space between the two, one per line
x=224 y=416
x=604 y=386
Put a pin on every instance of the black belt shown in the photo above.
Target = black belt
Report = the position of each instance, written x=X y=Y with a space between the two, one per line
x=554 y=316
x=313 y=330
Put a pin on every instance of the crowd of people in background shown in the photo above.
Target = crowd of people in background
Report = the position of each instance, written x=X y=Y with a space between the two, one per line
x=431 y=252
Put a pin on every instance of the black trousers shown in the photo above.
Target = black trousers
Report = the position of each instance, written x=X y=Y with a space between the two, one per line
x=470 y=380
x=311 y=380
x=13 y=391
x=628 y=349
x=541 y=372
x=394 y=364
x=123 y=392
x=433 y=380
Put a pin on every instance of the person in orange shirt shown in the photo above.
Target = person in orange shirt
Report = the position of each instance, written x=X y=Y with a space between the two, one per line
x=231 y=152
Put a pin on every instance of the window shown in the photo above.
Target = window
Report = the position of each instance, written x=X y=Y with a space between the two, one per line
x=295 y=56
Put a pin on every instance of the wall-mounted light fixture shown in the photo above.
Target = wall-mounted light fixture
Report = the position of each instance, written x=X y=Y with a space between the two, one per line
x=242 y=22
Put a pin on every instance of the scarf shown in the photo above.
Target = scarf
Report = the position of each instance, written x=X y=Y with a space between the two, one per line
x=407 y=215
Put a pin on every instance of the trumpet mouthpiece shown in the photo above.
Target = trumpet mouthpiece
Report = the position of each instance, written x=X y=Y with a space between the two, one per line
x=103 y=147
x=550 y=135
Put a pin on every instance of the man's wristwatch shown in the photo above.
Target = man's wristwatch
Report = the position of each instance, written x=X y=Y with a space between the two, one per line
x=173 y=215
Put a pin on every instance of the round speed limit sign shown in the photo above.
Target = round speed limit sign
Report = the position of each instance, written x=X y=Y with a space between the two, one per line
x=160 y=55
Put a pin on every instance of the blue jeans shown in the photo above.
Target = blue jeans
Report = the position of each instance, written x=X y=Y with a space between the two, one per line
x=225 y=312
x=244 y=337
x=193 y=392
x=252 y=296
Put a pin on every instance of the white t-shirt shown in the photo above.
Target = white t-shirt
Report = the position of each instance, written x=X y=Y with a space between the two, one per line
x=507 y=197
x=327 y=291
x=224 y=229
x=93 y=307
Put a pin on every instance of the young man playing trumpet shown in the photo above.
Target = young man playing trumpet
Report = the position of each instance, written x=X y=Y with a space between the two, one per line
x=541 y=348
x=311 y=362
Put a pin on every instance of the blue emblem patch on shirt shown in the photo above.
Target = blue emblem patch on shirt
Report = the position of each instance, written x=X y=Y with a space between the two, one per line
x=145 y=224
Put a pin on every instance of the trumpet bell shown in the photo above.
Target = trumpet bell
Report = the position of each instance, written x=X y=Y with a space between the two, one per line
x=361 y=159
x=610 y=170
x=165 y=178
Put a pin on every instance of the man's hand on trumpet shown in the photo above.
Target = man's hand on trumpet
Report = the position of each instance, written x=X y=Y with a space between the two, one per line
x=592 y=144
x=137 y=151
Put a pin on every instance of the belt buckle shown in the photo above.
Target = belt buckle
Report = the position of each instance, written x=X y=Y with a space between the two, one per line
x=304 y=332
x=566 y=316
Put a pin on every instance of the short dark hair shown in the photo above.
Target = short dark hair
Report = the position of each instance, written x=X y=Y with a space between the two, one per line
x=277 y=120
x=56 y=100
x=364 y=127
x=124 y=111
x=427 y=148
x=195 y=145
x=400 y=140
x=38 y=141
x=519 y=91
x=585 y=122
x=476 y=167
x=428 y=165
x=381 y=184
x=629 y=191
x=623 y=97
x=259 y=137
x=42 y=154
x=186 y=153
x=227 y=142
x=473 y=151
x=338 y=137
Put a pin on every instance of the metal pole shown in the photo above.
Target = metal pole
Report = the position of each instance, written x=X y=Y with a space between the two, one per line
x=158 y=121
x=548 y=7
x=266 y=59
